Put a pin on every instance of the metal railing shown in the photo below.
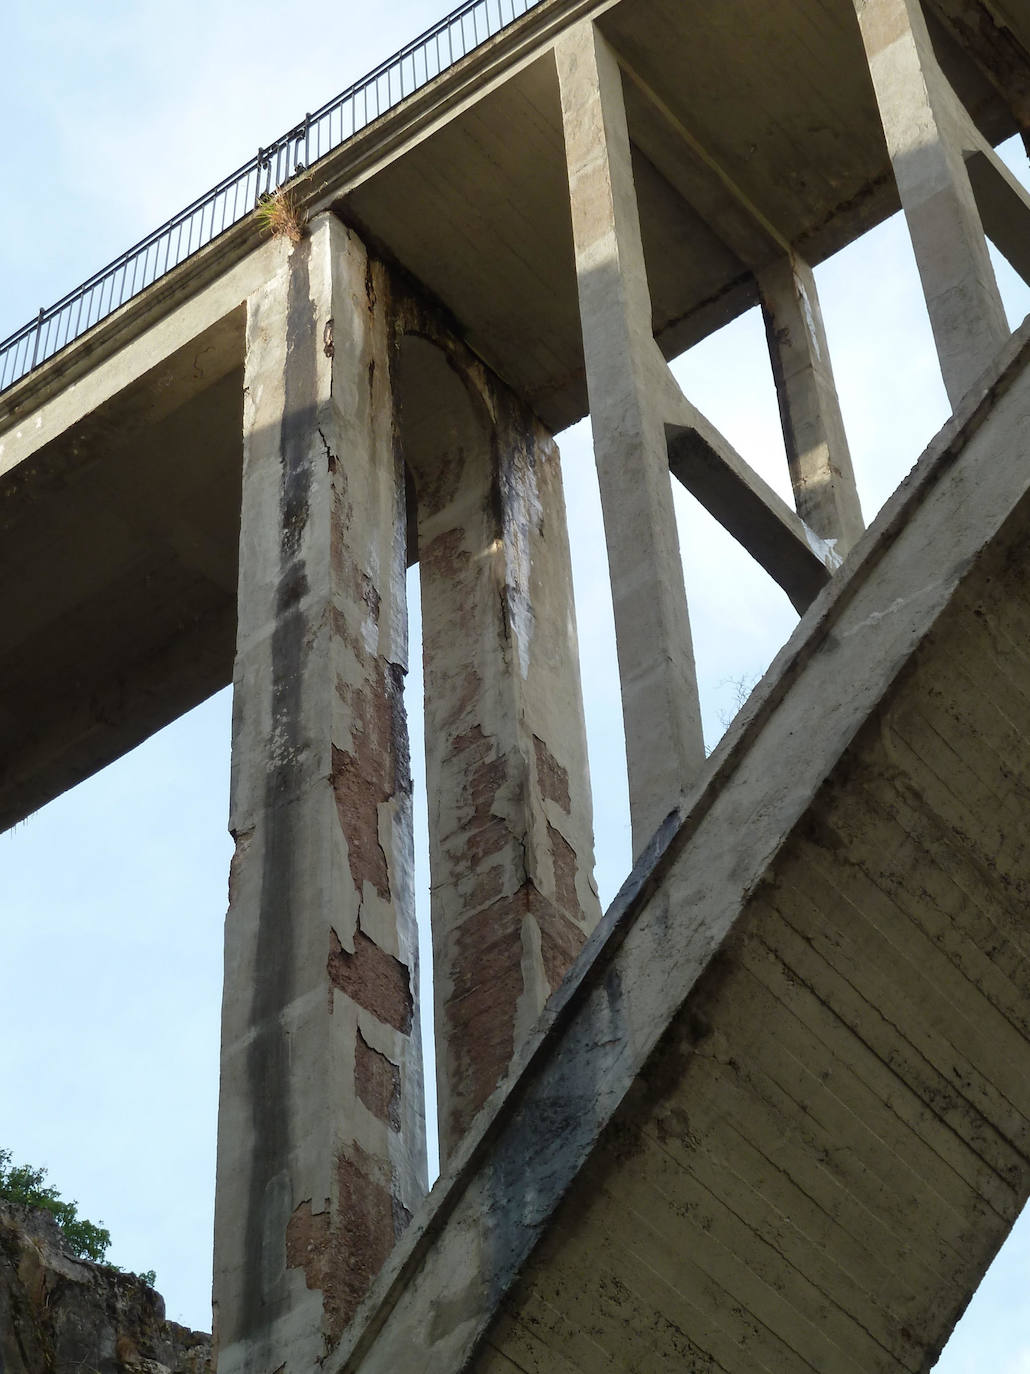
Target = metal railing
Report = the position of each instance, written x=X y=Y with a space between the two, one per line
x=318 y=134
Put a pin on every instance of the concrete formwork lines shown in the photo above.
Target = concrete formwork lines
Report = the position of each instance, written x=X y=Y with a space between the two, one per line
x=916 y=107
x=797 y=1302
x=816 y=960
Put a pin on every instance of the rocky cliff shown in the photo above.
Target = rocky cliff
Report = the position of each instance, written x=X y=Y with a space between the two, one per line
x=61 y=1315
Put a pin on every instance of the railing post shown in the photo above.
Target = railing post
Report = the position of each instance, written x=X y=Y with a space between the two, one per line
x=39 y=331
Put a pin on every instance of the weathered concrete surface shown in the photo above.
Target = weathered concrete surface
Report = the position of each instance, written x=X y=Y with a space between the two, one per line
x=321 y=1147
x=510 y=827
x=818 y=456
x=784 y=1094
x=660 y=707
x=62 y=1315
x=962 y=296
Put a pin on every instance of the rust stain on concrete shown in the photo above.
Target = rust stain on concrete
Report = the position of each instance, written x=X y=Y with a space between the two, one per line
x=366 y=1225
x=377 y=1082
x=553 y=779
x=307 y=1233
x=373 y=979
x=566 y=866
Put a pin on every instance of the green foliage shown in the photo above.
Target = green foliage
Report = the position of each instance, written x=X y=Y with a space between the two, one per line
x=22 y=1183
x=149 y=1277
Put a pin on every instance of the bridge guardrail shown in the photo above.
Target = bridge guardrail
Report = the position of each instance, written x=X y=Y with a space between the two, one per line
x=424 y=58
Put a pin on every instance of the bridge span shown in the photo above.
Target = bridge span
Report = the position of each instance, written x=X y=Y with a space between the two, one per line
x=770 y=1111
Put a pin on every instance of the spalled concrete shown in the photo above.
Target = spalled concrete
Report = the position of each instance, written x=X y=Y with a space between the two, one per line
x=511 y=844
x=321 y=1153
x=457 y=296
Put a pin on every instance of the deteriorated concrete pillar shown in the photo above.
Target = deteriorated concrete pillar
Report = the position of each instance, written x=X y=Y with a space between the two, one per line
x=321 y=1152
x=660 y=706
x=818 y=455
x=917 y=108
x=511 y=841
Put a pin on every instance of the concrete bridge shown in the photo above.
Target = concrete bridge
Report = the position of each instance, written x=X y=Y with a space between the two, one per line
x=771 y=1110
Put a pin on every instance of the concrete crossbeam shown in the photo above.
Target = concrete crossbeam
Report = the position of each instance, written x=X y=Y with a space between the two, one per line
x=661 y=711
x=915 y=101
x=748 y=508
x=321 y=1149
x=1004 y=206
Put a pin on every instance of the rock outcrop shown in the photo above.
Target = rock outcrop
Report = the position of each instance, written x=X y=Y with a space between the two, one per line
x=62 y=1315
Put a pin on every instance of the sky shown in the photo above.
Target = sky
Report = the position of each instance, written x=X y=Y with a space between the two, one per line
x=112 y=898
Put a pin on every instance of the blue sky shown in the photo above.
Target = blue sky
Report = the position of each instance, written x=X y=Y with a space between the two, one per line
x=112 y=898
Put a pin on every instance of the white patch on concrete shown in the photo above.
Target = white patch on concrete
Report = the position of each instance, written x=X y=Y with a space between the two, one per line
x=824 y=549
x=523 y=512
x=809 y=314
x=899 y=603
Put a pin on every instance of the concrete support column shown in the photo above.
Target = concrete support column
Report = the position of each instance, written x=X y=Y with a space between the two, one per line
x=661 y=712
x=321 y=1150
x=915 y=103
x=813 y=428
x=511 y=840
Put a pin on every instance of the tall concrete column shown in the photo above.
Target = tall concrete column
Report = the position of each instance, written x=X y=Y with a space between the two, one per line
x=915 y=101
x=818 y=455
x=661 y=711
x=511 y=840
x=321 y=1150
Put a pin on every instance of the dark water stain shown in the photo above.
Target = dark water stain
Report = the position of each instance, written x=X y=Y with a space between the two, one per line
x=268 y=1055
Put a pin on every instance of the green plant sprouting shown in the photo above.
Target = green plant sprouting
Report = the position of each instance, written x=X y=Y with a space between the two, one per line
x=25 y=1184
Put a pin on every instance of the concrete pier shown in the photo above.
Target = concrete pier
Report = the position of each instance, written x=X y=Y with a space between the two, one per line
x=511 y=840
x=661 y=710
x=321 y=1150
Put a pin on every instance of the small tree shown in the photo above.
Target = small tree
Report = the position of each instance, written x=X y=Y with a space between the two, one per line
x=22 y=1183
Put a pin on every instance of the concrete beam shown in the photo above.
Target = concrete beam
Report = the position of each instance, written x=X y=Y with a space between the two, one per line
x=510 y=827
x=661 y=711
x=1004 y=205
x=818 y=455
x=698 y=177
x=321 y=1145
x=750 y=510
x=915 y=101
x=996 y=50
x=813 y=427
